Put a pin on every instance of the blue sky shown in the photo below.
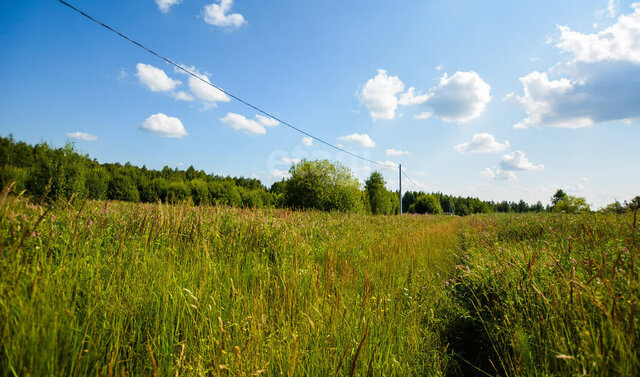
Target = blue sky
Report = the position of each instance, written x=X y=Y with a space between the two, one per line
x=502 y=100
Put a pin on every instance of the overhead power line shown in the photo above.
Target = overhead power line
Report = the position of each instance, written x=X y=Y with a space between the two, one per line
x=246 y=103
x=411 y=180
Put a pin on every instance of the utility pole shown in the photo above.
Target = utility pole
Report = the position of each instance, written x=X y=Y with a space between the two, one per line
x=400 y=186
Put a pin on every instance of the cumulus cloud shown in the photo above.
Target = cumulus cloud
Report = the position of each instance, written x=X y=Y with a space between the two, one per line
x=165 y=126
x=459 y=98
x=82 y=136
x=619 y=42
x=518 y=161
x=499 y=174
x=279 y=174
x=218 y=14
x=379 y=95
x=482 y=143
x=164 y=5
x=307 y=141
x=183 y=96
x=240 y=123
x=395 y=152
x=200 y=90
x=155 y=78
x=601 y=82
x=363 y=139
x=410 y=98
x=290 y=161
x=389 y=164
x=266 y=121
x=602 y=92
x=205 y=92
x=578 y=187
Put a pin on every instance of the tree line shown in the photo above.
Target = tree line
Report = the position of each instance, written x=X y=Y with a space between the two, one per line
x=46 y=173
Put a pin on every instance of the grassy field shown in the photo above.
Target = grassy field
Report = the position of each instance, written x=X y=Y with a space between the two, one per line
x=109 y=288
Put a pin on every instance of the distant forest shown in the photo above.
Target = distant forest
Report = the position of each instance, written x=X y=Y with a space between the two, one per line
x=46 y=173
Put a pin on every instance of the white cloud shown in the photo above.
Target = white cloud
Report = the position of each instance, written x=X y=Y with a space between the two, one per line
x=599 y=92
x=395 y=152
x=307 y=141
x=424 y=115
x=499 y=174
x=290 y=161
x=155 y=78
x=601 y=83
x=389 y=164
x=540 y=96
x=439 y=67
x=619 y=42
x=612 y=8
x=576 y=188
x=459 y=98
x=482 y=143
x=164 y=126
x=82 y=136
x=518 y=161
x=279 y=174
x=219 y=15
x=363 y=139
x=240 y=123
x=206 y=92
x=201 y=90
x=266 y=121
x=379 y=95
x=164 y=5
x=183 y=96
x=409 y=98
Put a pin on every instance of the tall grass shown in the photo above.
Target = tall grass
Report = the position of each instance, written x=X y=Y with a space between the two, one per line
x=543 y=295
x=108 y=288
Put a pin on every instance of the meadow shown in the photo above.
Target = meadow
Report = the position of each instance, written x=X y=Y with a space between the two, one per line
x=113 y=288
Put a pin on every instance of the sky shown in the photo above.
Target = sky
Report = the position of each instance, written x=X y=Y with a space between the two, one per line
x=502 y=100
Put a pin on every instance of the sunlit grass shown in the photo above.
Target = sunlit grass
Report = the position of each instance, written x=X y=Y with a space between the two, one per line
x=109 y=288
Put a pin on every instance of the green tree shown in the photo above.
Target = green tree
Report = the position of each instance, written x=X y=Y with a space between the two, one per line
x=379 y=200
x=122 y=187
x=46 y=179
x=427 y=203
x=97 y=182
x=323 y=185
x=634 y=206
x=407 y=200
x=571 y=204
x=199 y=191
x=558 y=196
x=177 y=191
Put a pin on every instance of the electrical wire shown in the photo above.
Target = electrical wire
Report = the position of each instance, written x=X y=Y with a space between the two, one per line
x=411 y=180
x=246 y=103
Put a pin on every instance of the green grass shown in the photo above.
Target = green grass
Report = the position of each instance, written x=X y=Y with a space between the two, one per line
x=550 y=295
x=109 y=288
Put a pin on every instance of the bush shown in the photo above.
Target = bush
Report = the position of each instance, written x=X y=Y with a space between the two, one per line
x=121 y=187
x=199 y=191
x=324 y=186
x=427 y=204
